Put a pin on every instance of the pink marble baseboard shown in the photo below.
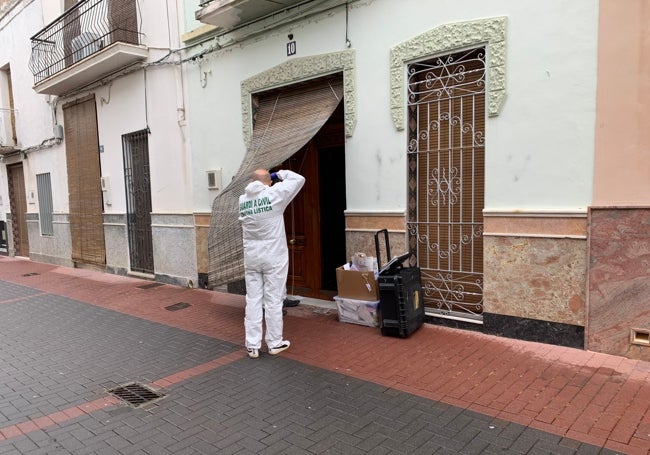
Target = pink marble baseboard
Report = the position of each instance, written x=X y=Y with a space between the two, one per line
x=536 y=278
x=619 y=280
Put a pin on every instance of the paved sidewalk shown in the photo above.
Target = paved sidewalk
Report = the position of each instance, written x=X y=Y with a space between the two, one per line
x=69 y=336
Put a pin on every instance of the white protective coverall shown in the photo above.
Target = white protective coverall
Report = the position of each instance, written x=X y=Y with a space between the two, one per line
x=266 y=256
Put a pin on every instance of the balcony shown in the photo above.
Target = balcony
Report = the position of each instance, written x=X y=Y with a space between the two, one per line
x=89 y=41
x=230 y=14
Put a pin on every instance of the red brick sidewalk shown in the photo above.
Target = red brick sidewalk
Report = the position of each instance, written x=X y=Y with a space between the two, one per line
x=594 y=398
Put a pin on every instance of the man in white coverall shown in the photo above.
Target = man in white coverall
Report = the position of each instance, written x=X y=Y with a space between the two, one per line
x=266 y=256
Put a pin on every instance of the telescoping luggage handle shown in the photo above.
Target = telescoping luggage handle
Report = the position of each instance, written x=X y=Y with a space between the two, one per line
x=392 y=264
x=385 y=232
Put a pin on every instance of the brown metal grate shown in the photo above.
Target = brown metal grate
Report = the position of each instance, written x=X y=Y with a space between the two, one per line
x=446 y=162
x=135 y=394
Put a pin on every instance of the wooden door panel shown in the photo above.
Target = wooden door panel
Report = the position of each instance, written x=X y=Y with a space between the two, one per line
x=317 y=242
x=18 y=204
x=297 y=270
x=302 y=224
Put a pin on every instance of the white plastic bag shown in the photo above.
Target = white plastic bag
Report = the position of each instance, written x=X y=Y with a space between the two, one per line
x=364 y=263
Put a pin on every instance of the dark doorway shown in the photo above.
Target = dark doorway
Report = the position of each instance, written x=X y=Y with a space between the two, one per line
x=331 y=167
x=315 y=221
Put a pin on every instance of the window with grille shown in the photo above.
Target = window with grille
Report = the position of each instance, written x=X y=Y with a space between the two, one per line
x=446 y=155
x=45 y=206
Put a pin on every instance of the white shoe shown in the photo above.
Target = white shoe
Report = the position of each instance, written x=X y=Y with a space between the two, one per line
x=283 y=346
x=253 y=353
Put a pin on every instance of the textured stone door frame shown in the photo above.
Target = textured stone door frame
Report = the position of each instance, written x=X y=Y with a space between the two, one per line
x=491 y=32
x=300 y=69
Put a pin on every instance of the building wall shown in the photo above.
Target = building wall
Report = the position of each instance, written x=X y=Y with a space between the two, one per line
x=535 y=267
x=34 y=121
x=545 y=119
x=140 y=98
x=622 y=138
x=123 y=107
x=619 y=237
x=151 y=98
x=539 y=145
x=53 y=249
x=567 y=170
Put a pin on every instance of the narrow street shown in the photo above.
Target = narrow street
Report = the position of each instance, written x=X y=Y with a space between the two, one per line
x=73 y=339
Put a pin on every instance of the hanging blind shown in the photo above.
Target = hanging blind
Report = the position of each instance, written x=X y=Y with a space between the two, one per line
x=84 y=190
x=285 y=121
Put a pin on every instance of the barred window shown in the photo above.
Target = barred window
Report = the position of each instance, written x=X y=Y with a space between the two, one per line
x=44 y=187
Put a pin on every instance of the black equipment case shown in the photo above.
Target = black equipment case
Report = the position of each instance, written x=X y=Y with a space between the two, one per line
x=401 y=310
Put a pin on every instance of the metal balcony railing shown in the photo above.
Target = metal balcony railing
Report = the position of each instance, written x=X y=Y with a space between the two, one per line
x=81 y=31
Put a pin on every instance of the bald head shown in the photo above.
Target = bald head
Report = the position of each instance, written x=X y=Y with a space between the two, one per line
x=262 y=175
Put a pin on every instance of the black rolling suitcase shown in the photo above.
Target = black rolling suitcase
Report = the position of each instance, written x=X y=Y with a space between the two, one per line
x=401 y=310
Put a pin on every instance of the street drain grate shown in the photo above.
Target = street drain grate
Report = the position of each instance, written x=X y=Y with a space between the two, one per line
x=151 y=285
x=31 y=274
x=135 y=394
x=178 y=306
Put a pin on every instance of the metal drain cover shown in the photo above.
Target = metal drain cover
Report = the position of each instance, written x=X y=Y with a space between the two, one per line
x=177 y=306
x=151 y=285
x=31 y=274
x=135 y=394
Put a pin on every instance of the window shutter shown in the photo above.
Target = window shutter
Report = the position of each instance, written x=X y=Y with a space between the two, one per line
x=84 y=187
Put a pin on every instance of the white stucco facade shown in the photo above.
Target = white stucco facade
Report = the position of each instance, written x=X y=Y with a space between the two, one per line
x=147 y=96
x=540 y=111
x=186 y=93
x=539 y=148
x=191 y=94
x=33 y=118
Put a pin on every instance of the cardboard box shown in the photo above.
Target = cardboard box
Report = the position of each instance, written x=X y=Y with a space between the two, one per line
x=361 y=312
x=356 y=285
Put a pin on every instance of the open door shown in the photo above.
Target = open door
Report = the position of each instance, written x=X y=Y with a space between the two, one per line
x=302 y=221
x=285 y=120
x=315 y=220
